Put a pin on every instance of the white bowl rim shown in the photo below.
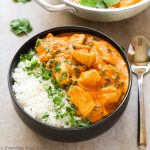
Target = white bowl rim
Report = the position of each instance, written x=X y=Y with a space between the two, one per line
x=142 y=2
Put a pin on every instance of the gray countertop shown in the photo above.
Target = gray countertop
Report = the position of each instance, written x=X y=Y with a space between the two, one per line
x=13 y=132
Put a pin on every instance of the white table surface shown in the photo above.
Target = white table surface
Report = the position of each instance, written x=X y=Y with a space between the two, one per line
x=13 y=132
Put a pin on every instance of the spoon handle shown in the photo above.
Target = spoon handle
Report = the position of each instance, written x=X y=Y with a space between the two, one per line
x=141 y=115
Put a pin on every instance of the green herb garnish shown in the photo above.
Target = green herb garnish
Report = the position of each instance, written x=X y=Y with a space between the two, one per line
x=99 y=3
x=57 y=68
x=27 y=56
x=55 y=83
x=110 y=3
x=53 y=55
x=45 y=116
x=20 y=26
x=46 y=74
x=57 y=100
x=89 y=3
x=34 y=64
x=68 y=62
x=70 y=111
x=38 y=43
x=82 y=123
x=47 y=49
x=22 y=1
x=51 y=61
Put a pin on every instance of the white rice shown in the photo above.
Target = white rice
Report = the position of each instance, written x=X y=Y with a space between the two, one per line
x=31 y=94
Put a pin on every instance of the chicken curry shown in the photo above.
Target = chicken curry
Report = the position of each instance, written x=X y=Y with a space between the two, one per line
x=89 y=69
x=106 y=3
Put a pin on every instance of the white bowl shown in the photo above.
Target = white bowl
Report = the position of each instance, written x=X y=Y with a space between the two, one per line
x=94 y=14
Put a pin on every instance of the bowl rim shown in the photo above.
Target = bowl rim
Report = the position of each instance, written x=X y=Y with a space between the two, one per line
x=44 y=33
x=142 y=2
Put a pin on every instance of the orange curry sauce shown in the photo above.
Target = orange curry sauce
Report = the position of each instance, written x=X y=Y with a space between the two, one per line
x=91 y=70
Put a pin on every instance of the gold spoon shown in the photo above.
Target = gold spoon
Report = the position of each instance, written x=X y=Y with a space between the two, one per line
x=139 y=57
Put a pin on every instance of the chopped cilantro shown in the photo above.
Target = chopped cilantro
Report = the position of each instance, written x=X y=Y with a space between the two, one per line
x=68 y=61
x=47 y=49
x=46 y=74
x=26 y=57
x=82 y=123
x=57 y=100
x=34 y=64
x=38 y=43
x=51 y=61
x=57 y=68
x=70 y=111
x=45 y=116
x=61 y=115
x=55 y=83
x=53 y=55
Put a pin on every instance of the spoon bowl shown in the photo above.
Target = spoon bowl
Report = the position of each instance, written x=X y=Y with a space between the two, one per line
x=139 y=52
x=139 y=57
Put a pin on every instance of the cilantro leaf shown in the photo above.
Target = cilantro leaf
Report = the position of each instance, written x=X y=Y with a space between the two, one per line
x=57 y=69
x=101 y=4
x=46 y=74
x=47 y=49
x=89 y=3
x=57 y=100
x=27 y=56
x=45 y=116
x=82 y=123
x=20 y=26
x=68 y=62
x=110 y=3
x=34 y=64
x=70 y=111
x=23 y=1
x=38 y=43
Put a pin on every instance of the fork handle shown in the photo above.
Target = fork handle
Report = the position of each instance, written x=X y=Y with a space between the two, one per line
x=142 y=142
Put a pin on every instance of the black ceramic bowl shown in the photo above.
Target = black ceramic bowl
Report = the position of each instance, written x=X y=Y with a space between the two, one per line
x=69 y=134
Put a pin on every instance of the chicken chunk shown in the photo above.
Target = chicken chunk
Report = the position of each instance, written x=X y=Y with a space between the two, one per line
x=82 y=100
x=105 y=53
x=110 y=95
x=42 y=54
x=90 y=78
x=84 y=48
x=77 y=39
x=97 y=114
x=84 y=58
